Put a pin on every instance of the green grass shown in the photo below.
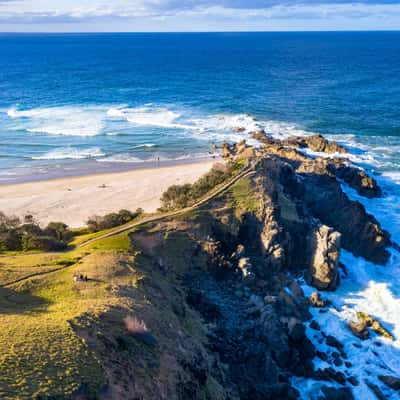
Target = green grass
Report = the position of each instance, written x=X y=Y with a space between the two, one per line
x=288 y=209
x=40 y=354
x=243 y=197
x=82 y=235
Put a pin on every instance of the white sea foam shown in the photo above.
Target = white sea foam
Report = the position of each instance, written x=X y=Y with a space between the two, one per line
x=129 y=158
x=70 y=153
x=66 y=120
x=121 y=158
x=149 y=116
x=93 y=120
x=368 y=288
x=145 y=145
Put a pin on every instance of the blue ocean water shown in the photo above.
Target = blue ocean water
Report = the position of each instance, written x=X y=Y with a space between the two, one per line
x=103 y=100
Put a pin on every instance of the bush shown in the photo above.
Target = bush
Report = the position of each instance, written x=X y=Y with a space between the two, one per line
x=43 y=243
x=59 y=231
x=15 y=236
x=112 y=220
x=10 y=240
x=182 y=196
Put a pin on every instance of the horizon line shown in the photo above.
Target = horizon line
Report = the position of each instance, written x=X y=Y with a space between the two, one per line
x=194 y=32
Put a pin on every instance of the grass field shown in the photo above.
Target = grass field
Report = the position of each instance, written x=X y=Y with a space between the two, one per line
x=40 y=354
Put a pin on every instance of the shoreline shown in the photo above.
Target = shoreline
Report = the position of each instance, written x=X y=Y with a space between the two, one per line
x=93 y=167
x=73 y=199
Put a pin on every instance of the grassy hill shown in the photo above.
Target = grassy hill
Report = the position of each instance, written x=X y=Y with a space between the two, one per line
x=40 y=354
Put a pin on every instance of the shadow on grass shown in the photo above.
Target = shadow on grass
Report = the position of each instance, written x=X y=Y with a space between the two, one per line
x=13 y=302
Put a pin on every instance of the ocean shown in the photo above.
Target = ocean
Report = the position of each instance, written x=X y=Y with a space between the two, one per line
x=95 y=102
x=71 y=104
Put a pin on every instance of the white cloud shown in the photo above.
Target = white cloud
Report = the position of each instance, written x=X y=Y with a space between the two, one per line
x=99 y=11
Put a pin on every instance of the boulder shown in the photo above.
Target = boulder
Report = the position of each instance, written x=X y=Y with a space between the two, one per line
x=296 y=290
x=315 y=325
x=368 y=321
x=296 y=329
x=325 y=250
x=316 y=300
x=390 y=381
x=375 y=389
x=333 y=342
x=331 y=393
x=359 y=330
x=226 y=151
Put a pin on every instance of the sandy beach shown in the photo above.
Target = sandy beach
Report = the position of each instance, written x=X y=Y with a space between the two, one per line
x=73 y=199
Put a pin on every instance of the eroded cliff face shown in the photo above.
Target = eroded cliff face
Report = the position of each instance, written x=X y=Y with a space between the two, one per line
x=219 y=290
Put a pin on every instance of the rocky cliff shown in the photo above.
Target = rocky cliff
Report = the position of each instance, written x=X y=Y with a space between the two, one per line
x=220 y=291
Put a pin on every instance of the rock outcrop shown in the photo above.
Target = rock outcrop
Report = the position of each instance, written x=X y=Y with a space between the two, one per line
x=316 y=143
x=224 y=276
x=325 y=250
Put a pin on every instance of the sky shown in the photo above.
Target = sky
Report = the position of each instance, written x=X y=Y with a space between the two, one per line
x=197 y=15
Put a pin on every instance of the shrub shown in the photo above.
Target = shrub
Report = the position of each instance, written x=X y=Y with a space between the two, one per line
x=43 y=243
x=15 y=236
x=59 y=231
x=186 y=195
x=10 y=240
x=112 y=220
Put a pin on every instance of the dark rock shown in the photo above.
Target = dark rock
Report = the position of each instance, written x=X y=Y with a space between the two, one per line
x=297 y=331
x=329 y=374
x=332 y=393
x=296 y=290
x=333 y=342
x=375 y=389
x=315 y=325
x=197 y=299
x=323 y=356
x=338 y=362
x=348 y=364
x=361 y=232
x=356 y=178
x=391 y=381
x=146 y=338
x=353 y=380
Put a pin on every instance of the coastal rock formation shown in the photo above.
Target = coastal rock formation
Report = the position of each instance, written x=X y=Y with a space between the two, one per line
x=323 y=271
x=315 y=143
x=219 y=284
x=355 y=177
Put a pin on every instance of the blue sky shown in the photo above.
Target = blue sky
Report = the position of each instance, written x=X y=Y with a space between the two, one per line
x=199 y=15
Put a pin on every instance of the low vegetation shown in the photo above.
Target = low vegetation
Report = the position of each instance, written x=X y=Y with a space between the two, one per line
x=99 y=223
x=41 y=354
x=181 y=196
x=27 y=235
x=244 y=198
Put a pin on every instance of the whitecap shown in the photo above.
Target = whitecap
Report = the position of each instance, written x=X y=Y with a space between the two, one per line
x=149 y=116
x=121 y=158
x=63 y=120
x=145 y=145
x=70 y=153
